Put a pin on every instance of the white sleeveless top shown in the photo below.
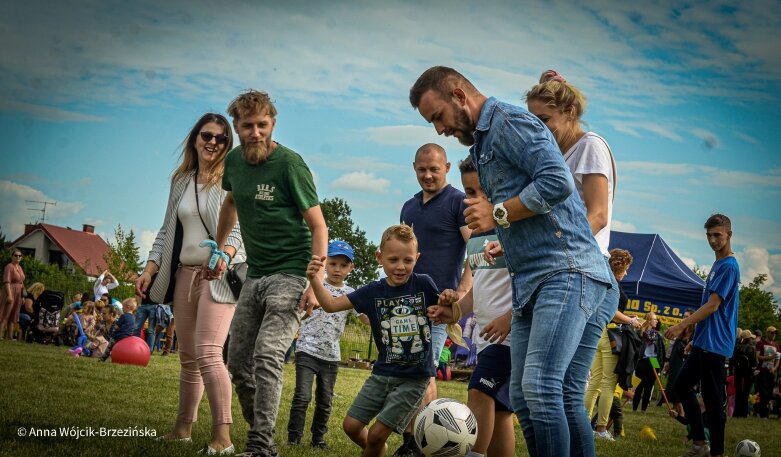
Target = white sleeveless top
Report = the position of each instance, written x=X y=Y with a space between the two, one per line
x=194 y=233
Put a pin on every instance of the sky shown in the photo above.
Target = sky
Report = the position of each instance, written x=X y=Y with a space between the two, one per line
x=97 y=96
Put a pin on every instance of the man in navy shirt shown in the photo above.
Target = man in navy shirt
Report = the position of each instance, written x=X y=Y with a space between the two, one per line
x=712 y=344
x=436 y=215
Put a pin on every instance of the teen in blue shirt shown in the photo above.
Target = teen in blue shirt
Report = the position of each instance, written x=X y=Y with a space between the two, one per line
x=713 y=342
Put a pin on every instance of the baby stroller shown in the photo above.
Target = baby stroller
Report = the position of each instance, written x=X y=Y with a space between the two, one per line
x=46 y=314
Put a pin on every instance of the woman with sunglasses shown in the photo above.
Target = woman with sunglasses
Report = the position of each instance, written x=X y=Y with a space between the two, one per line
x=175 y=273
x=11 y=295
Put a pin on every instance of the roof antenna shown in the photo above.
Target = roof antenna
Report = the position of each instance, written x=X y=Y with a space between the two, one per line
x=41 y=210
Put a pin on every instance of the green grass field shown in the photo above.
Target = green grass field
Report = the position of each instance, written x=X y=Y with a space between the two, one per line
x=43 y=388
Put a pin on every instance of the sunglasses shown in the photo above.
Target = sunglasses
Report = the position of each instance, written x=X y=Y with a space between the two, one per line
x=219 y=139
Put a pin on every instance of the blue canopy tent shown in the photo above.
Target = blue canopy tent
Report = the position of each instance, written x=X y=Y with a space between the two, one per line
x=657 y=280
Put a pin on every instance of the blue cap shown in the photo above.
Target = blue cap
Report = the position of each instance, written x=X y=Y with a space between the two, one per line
x=339 y=247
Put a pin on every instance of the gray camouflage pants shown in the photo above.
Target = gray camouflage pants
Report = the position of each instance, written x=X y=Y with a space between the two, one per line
x=263 y=327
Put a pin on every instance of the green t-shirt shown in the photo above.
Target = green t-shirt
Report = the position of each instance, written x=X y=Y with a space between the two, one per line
x=270 y=199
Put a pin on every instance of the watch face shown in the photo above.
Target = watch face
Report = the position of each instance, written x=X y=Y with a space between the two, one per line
x=499 y=213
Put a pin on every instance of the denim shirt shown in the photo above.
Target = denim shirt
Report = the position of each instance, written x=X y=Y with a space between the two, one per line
x=517 y=156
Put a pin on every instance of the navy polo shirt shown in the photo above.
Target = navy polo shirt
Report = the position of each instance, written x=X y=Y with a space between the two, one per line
x=437 y=226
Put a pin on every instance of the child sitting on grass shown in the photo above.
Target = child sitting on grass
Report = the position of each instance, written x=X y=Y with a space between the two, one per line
x=123 y=327
x=318 y=352
x=396 y=307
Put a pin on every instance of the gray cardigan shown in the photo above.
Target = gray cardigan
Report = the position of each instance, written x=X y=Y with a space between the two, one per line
x=165 y=250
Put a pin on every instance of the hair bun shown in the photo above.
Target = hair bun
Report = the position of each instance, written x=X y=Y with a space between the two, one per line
x=552 y=75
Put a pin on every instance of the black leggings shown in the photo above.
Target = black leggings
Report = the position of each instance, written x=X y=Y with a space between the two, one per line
x=707 y=369
x=645 y=372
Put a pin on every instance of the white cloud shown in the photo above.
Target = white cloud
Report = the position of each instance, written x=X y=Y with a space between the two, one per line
x=691 y=263
x=704 y=174
x=145 y=241
x=361 y=181
x=623 y=226
x=47 y=112
x=15 y=201
x=747 y=138
x=411 y=135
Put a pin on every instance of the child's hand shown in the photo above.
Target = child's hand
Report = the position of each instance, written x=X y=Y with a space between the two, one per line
x=498 y=329
x=314 y=267
x=447 y=297
x=440 y=314
x=492 y=250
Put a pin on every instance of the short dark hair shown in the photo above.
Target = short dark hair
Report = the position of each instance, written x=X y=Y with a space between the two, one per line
x=718 y=220
x=467 y=166
x=439 y=79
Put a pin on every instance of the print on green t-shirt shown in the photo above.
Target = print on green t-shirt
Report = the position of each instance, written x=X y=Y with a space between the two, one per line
x=270 y=200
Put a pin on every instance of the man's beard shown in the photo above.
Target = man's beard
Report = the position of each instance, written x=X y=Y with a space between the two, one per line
x=256 y=152
x=466 y=127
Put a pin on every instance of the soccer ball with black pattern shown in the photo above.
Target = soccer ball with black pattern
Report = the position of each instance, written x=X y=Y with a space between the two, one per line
x=747 y=448
x=445 y=428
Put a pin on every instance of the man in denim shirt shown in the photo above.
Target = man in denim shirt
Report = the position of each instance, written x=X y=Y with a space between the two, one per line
x=560 y=277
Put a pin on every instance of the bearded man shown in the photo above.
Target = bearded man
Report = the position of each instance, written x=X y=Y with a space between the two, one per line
x=271 y=192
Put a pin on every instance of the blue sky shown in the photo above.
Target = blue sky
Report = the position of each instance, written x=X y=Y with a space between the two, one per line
x=96 y=97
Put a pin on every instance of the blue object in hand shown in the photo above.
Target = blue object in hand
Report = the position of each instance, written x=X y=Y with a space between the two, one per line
x=216 y=253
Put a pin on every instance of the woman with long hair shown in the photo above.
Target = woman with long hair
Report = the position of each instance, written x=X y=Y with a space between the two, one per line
x=203 y=309
x=653 y=346
x=11 y=295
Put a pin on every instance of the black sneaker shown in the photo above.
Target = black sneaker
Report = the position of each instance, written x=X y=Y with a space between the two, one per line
x=408 y=449
x=320 y=445
x=294 y=441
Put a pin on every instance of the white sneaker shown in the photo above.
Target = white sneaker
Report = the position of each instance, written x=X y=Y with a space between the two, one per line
x=697 y=451
x=603 y=436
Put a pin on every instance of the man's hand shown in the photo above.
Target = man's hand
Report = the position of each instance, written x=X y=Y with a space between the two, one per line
x=479 y=214
x=493 y=250
x=673 y=332
x=308 y=301
x=440 y=314
x=498 y=329
x=448 y=297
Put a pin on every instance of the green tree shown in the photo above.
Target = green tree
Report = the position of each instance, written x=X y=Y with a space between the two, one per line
x=337 y=214
x=123 y=261
x=51 y=276
x=758 y=308
x=699 y=271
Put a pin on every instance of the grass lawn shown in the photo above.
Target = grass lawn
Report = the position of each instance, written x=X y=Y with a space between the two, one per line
x=43 y=388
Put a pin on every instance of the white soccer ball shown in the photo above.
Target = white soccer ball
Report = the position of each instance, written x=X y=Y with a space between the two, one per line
x=445 y=428
x=747 y=448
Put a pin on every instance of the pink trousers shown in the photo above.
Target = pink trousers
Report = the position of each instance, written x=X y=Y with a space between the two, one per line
x=201 y=328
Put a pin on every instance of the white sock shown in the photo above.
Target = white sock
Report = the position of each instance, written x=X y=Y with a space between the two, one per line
x=473 y=454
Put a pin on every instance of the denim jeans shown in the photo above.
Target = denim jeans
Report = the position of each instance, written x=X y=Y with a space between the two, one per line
x=143 y=313
x=307 y=367
x=554 y=339
x=263 y=327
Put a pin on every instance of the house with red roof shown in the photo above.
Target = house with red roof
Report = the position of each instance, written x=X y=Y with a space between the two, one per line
x=65 y=247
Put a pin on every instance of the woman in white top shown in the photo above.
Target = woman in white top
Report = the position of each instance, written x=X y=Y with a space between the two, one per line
x=203 y=309
x=560 y=105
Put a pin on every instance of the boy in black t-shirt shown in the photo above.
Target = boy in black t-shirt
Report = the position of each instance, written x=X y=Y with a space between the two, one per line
x=396 y=307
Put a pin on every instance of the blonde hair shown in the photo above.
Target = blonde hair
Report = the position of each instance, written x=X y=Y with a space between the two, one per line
x=130 y=303
x=620 y=260
x=250 y=103
x=400 y=232
x=647 y=324
x=88 y=307
x=36 y=289
x=554 y=91
x=215 y=168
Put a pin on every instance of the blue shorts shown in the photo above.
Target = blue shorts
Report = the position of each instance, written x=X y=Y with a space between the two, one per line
x=492 y=375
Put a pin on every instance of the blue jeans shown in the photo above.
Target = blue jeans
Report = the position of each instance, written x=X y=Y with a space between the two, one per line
x=143 y=313
x=554 y=339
